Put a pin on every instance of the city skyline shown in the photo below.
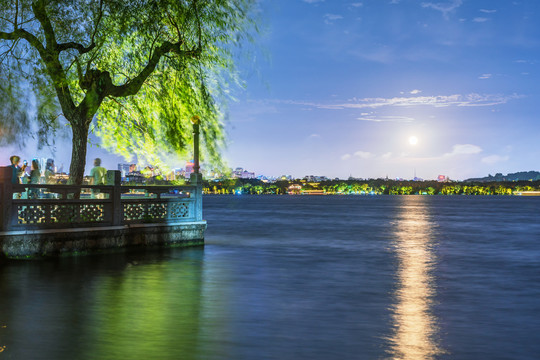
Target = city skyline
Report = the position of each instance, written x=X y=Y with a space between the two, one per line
x=347 y=84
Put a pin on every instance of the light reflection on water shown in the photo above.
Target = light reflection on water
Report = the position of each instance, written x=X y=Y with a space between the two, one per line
x=415 y=329
x=106 y=307
x=146 y=306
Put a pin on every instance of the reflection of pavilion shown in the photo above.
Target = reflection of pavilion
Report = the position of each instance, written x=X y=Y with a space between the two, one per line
x=119 y=306
x=415 y=327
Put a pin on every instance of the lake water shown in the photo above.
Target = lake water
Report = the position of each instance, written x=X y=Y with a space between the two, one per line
x=297 y=277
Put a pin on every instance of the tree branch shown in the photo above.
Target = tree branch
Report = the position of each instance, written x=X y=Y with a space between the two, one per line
x=48 y=55
x=79 y=47
x=38 y=8
x=73 y=45
x=79 y=70
x=133 y=86
x=23 y=34
x=98 y=20
x=16 y=14
x=8 y=51
x=198 y=22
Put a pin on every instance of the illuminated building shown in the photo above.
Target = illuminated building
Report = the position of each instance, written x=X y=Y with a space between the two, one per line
x=125 y=169
x=189 y=168
x=240 y=173
x=294 y=189
x=314 y=178
x=442 y=178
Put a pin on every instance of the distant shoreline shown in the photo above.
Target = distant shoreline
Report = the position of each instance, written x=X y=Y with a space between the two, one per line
x=369 y=187
x=531 y=194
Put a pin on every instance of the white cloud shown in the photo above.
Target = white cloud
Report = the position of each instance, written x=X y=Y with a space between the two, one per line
x=528 y=62
x=330 y=18
x=492 y=159
x=314 y=136
x=346 y=157
x=444 y=8
x=485 y=76
x=416 y=91
x=374 y=118
x=435 y=101
x=357 y=4
x=480 y=19
x=464 y=149
x=312 y=1
x=363 y=154
x=387 y=155
x=488 y=11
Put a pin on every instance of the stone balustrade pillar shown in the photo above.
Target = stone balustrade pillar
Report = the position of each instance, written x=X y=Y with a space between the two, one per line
x=6 y=196
x=114 y=178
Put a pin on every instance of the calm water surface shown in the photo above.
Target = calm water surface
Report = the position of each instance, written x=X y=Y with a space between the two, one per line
x=297 y=277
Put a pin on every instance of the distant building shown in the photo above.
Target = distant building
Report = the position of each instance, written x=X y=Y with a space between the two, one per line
x=237 y=172
x=189 y=168
x=442 y=178
x=240 y=173
x=125 y=169
x=294 y=189
x=313 y=178
x=248 y=175
x=213 y=174
x=263 y=178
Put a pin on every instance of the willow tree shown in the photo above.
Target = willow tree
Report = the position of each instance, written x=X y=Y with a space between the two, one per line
x=133 y=71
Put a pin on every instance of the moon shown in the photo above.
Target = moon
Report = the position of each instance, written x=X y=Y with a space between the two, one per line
x=413 y=140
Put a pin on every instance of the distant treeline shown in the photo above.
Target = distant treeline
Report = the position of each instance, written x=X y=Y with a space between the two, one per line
x=517 y=176
x=375 y=187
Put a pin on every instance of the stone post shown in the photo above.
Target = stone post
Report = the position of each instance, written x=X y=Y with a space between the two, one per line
x=6 y=197
x=196 y=180
x=114 y=178
x=196 y=177
x=195 y=120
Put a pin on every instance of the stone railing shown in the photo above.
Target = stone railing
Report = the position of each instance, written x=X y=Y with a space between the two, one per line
x=40 y=207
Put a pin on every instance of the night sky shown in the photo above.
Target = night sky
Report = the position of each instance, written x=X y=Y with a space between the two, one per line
x=347 y=84
x=340 y=88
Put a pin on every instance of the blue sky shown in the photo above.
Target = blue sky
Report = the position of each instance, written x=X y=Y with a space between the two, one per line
x=347 y=83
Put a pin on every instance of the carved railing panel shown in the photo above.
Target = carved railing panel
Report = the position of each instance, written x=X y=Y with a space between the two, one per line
x=153 y=211
x=133 y=212
x=74 y=206
x=31 y=214
x=64 y=213
x=157 y=211
x=92 y=213
x=178 y=210
x=54 y=214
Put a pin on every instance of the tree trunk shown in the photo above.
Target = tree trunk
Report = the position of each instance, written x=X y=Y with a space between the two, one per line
x=78 y=152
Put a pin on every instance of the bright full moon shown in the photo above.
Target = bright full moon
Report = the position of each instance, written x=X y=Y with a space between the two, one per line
x=413 y=140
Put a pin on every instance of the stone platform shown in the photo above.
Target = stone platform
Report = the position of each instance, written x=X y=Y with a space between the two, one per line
x=34 y=244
